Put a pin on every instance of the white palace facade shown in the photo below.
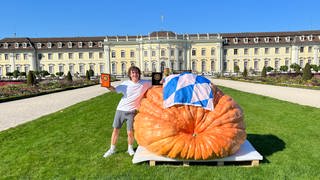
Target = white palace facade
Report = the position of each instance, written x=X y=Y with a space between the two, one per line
x=200 y=53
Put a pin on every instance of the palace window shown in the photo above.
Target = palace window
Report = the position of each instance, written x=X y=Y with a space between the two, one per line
x=276 y=64
x=276 y=50
x=51 y=69
x=17 y=56
x=114 y=68
x=80 y=55
x=245 y=51
x=60 y=56
x=203 y=52
x=123 y=54
x=101 y=68
x=256 y=65
x=153 y=53
x=213 y=51
x=172 y=52
x=70 y=55
x=287 y=50
x=132 y=54
x=203 y=66
x=266 y=50
x=100 y=55
x=163 y=52
x=180 y=53
x=212 y=66
x=81 y=69
x=90 y=55
x=113 y=54
x=49 y=56
x=25 y=56
x=6 y=56
x=71 y=68
x=194 y=52
x=309 y=49
x=235 y=51
x=301 y=49
x=61 y=68
x=145 y=53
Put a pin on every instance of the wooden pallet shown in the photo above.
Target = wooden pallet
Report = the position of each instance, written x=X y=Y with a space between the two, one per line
x=251 y=163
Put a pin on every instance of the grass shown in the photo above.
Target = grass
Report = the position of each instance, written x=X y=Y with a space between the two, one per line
x=69 y=144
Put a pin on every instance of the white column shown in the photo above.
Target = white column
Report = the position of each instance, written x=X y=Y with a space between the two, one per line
x=176 y=59
x=138 y=59
x=294 y=54
x=183 y=59
x=12 y=62
x=188 y=48
x=219 y=57
x=141 y=57
x=107 y=55
x=315 y=55
x=149 y=57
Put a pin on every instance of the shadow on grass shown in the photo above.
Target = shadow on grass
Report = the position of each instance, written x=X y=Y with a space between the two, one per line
x=266 y=144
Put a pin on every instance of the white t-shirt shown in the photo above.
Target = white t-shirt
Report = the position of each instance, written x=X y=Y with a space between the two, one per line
x=132 y=94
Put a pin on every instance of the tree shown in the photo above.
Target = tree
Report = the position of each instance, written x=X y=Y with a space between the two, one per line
x=87 y=75
x=91 y=72
x=59 y=73
x=31 y=80
x=16 y=73
x=296 y=67
x=264 y=72
x=69 y=76
x=307 y=75
x=236 y=69
x=245 y=72
x=314 y=67
x=269 y=69
x=284 y=68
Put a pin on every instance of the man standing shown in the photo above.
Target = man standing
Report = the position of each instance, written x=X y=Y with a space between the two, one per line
x=133 y=91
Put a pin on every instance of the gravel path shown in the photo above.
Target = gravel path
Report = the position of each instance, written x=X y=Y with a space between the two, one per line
x=18 y=112
x=21 y=111
x=296 y=95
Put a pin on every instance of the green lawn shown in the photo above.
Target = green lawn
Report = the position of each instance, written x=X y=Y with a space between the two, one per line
x=69 y=144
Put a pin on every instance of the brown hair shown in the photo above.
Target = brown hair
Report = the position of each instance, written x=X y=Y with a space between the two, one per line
x=132 y=68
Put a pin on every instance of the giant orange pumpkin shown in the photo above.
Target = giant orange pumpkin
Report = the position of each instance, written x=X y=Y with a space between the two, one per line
x=189 y=132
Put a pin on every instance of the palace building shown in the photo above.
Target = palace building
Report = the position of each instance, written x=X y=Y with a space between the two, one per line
x=200 y=53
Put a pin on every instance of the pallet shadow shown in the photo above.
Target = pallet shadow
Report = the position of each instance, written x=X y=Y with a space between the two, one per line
x=266 y=144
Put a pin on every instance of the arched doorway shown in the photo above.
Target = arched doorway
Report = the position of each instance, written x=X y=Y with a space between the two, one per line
x=162 y=66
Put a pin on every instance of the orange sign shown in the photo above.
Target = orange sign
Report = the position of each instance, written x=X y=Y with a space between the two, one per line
x=105 y=80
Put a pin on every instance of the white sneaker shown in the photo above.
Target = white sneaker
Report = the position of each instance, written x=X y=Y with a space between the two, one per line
x=131 y=152
x=109 y=153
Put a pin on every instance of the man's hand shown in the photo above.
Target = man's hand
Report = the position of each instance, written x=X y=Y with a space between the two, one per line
x=111 y=88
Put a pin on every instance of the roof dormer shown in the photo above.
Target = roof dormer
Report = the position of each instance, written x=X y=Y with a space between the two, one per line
x=245 y=40
x=5 y=45
x=235 y=40
x=288 y=39
x=267 y=39
x=80 y=44
x=256 y=40
x=16 y=45
x=69 y=44
x=90 y=44
x=24 y=45
x=59 y=44
x=100 y=43
x=276 y=39
x=49 y=44
x=39 y=45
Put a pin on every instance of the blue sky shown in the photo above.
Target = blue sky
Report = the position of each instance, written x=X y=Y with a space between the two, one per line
x=70 y=18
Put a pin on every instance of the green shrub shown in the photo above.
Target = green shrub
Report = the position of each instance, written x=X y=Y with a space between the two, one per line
x=296 y=67
x=69 y=76
x=284 y=68
x=245 y=72
x=314 y=67
x=59 y=73
x=16 y=73
x=307 y=75
x=269 y=69
x=87 y=75
x=264 y=72
x=31 y=80
x=91 y=73
x=236 y=69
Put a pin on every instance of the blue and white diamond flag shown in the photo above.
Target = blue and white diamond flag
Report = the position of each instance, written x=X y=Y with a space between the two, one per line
x=187 y=89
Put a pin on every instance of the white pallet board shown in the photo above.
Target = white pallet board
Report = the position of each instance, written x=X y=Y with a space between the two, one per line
x=246 y=153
